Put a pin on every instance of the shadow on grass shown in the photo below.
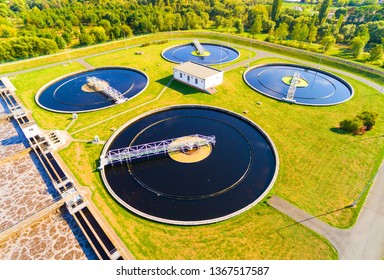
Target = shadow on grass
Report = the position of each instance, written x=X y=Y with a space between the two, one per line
x=95 y=166
x=313 y=217
x=338 y=130
x=178 y=86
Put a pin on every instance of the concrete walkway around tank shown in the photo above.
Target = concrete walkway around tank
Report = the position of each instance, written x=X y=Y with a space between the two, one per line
x=364 y=241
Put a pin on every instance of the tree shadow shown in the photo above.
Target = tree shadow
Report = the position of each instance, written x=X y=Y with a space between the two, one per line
x=338 y=130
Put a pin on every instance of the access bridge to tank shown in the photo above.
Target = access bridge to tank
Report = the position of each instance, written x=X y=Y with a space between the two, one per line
x=128 y=154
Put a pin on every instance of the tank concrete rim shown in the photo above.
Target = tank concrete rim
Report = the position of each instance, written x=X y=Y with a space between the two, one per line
x=182 y=45
x=44 y=87
x=348 y=85
x=199 y=222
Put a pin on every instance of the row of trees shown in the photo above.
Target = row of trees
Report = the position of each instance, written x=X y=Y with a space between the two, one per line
x=72 y=22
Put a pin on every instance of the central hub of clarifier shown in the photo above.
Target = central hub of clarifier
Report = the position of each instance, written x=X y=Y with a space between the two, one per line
x=190 y=153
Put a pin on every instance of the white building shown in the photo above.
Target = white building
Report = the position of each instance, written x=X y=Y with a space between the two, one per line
x=199 y=76
x=30 y=129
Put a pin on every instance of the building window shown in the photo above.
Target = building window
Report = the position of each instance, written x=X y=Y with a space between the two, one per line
x=181 y=75
x=196 y=81
x=188 y=78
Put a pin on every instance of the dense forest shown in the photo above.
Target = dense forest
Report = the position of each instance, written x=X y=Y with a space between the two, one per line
x=33 y=28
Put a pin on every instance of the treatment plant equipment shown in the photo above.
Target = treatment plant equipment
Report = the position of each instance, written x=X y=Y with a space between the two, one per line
x=156 y=148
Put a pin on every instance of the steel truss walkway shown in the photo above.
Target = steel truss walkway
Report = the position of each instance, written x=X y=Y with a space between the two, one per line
x=292 y=87
x=103 y=87
x=199 y=48
x=156 y=148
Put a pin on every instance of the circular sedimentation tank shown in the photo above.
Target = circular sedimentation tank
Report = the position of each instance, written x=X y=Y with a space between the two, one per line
x=199 y=185
x=213 y=54
x=74 y=94
x=314 y=87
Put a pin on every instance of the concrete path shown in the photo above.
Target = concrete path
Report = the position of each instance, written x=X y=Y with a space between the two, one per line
x=364 y=241
x=84 y=63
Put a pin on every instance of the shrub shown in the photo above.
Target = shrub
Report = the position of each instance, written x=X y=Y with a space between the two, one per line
x=353 y=125
x=359 y=124
x=368 y=119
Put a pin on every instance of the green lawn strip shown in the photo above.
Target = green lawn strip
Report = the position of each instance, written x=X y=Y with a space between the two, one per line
x=260 y=233
x=27 y=86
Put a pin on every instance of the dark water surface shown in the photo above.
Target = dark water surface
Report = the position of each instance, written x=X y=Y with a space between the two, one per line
x=218 y=54
x=67 y=95
x=323 y=89
x=238 y=171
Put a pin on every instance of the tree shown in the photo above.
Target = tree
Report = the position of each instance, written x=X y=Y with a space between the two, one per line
x=86 y=39
x=60 y=42
x=357 y=46
x=338 y=25
x=328 y=42
x=353 y=125
x=98 y=33
x=257 y=26
x=276 y=9
x=323 y=12
x=312 y=33
x=282 y=31
x=376 y=52
x=363 y=33
x=115 y=32
x=348 y=31
x=295 y=34
x=257 y=11
x=300 y=32
x=7 y=31
x=67 y=37
x=238 y=25
x=376 y=30
x=126 y=31
x=304 y=32
x=368 y=119
x=268 y=25
x=341 y=12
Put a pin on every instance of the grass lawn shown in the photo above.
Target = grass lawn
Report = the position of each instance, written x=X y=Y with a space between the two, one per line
x=28 y=84
x=260 y=233
x=321 y=169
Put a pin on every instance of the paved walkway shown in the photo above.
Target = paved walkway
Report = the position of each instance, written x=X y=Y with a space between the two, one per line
x=364 y=241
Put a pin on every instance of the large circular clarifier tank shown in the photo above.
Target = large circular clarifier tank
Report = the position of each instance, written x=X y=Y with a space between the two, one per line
x=71 y=93
x=213 y=54
x=314 y=87
x=231 y=176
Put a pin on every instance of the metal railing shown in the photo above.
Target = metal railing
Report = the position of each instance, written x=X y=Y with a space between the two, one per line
x=156 y=148
x=103 y=87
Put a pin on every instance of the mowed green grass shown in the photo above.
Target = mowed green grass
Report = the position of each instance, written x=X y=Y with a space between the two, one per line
x=27 y=86
x=321 y=169
x=260 y=233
